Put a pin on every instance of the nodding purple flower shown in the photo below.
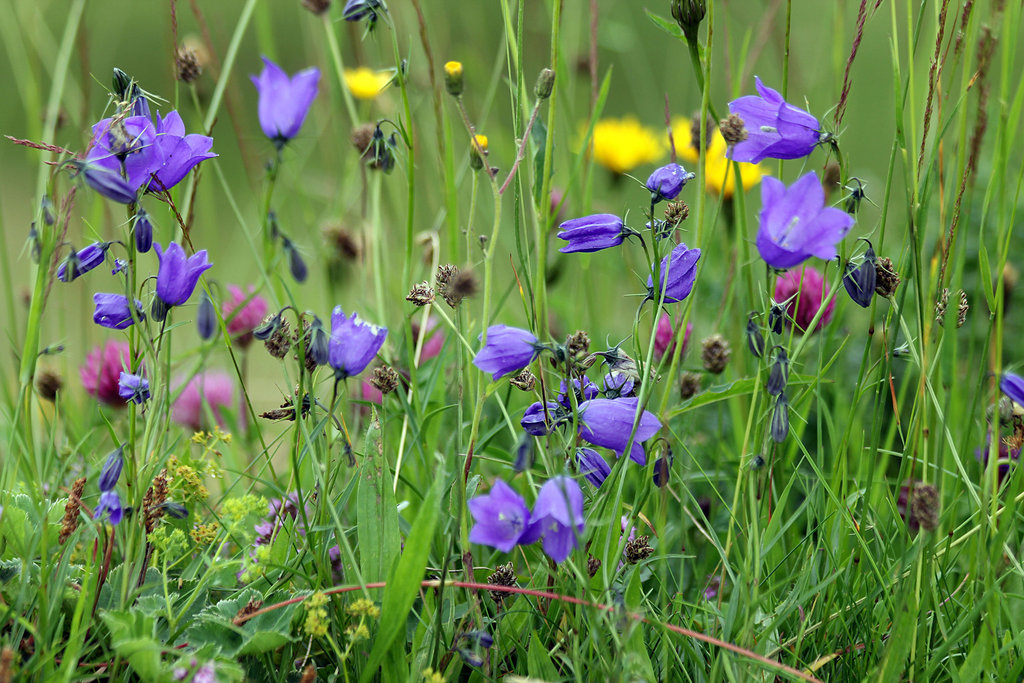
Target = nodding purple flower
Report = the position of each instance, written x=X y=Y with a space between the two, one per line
x=353 y=343
x=178 y=274
x=112 y=311
x=677 y=275
x=501 y=517
x=284 y=101
x=668 y=181
x=1013 y=386
x=592 y=233
x=584 y=392
x=609 y=423
x=617 y=385
x=143 y=232
x=110 y=503
x=775 y=128
x=796 y=224
x=106 y=182
x=356 y=10
x=508 y=350
x=133 y=388
x=111 y=471
x=592 y=466
x=206 y=317
x=535 y=422
x=81 y=262
x=557 y=517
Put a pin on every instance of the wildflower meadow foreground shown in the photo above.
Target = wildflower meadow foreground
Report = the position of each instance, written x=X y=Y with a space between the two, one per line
x=562 y=340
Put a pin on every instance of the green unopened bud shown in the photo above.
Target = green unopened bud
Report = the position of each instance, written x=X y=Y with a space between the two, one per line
x=453 y=78
x=688 y=14
x=545 y=84
x=478 y=152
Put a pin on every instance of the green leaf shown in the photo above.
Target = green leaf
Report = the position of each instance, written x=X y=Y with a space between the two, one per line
x=979 y=658
x=669 y=27
x=131 y=634
x=900 y=638
x=264 y=633
x=538 y=662
x=985 y=270
x=377 y=510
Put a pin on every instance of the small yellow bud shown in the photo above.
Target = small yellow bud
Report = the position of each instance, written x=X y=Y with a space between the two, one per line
x=478 y=152
x=453 y=78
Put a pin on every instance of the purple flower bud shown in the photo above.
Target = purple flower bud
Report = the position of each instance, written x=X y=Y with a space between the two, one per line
x=755 y=340
x=1013 y=386
x=779 y=374
x=592 y=466
x=143 y=232
x=110 y=503
x=860 y=281
x=82 y=262
x=775 y=129
x=319 y=343
x=111 y=471
x=796 y=224
x=47 y=207
x=158 y=310
x=678 y=273
x=106 y=182
x=175 y=510
x=609 y=423
x=508 y=350
x=557 y=517
x=592 y=233
x=355 y=10
x=178 y=274
x=353 y=343
x=295 y=262
x=501 y=517
x=112 y=311
x=133 y=388
x=668 y=181
x=780 y=419
x=663 y=468
x=535 y=423
x=524 y=454
x=206 y=317
x=284 y=101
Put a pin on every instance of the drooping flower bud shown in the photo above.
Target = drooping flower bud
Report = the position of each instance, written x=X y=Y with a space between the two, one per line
x=143 y=232
x=206 y=318
x=295 y=262
x=112 y=469
x=779 y=374
x=319 y=343
x=780 y=419
x=860 y=281
x=755 y=340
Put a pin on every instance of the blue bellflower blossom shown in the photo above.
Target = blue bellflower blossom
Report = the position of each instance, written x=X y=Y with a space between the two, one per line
x=106 y=182
x=501 y=517
x=284 y=101
x=110 y=502
x=609 y=422
x=587 y=391
x=353 y=343
x=668 y=181
x=112 y=311
x=796 y=224
x=535 y=423
x=133 y=388
x=557 y=517
x=83 y=261
x=508 y=350
x=592 y=233
x=1013 y=386
x=775 y=128
x=592 y=466
x=677 y=274
x=178 y=274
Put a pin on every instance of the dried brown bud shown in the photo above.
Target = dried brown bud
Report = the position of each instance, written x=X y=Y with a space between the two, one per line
x=280 y=341
x=48 y=384
x=309 y=673
x=832 y=178
x=362 y=136
x=71 y=510
x=577 y=344
x=676 y=212
x=689 y=385
x=384 y=379
x=924 y=507
x=317 y=7
x=732 y=129
x=886 y=277
x=153 y=501
x=460 y=285
x=715 y=352
x=250 y=607
x=638 y=550
x=593 y=565
x=343 y=244
x=421 y=294
x=187 y=65
x=504 y=575
x=525 y=380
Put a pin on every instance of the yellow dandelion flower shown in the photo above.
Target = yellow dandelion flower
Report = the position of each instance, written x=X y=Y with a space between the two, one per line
x=620 y=145
x=365 y=83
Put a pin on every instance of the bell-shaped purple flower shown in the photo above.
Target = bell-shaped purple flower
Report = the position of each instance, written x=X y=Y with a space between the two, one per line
x=796 y=224
x=609 y=422
x=111 y=471
x=668 y=181
x=678 y=273
x=617 y=384
x=110 y=503
x=133 y=388
x=557 y=517
x=584 y=392
x=592 y=233
x=107 y=182
x=508 y=349
x=178 y=274
x=775 y=128
x=112 y=311
x=536 y=423
x=353 y=343
x=1013 y=386
x=501 y=517
x=284 y=101
x=592 y=466
x=171 y=156
x=83 y=261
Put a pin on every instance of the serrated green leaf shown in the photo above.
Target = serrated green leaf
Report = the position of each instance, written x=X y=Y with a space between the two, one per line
x=131 y=635
x=264 y=633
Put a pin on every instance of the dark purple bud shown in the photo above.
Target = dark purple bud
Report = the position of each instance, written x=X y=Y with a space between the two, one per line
x=47 y=205
x=295 y=262
x=158 y=310
x=667 y=182
x=524 y=454
x=265 y=330
x=856 y=195
x=35 y=248
x=178 y=275
x=592 y=233
x=663 y=468
x=755 y=340
x=592 y=466
x=275 y=230
x=111 y=471
x=780 y=419
x=143 y=232
x=776 y=318
x=133 y=388
x=860 y=281
x=175 y=510
x=80 y=263
x=319 y=343
x=206 y=318
x=479 y=638
x=677 y=275
x=112 y=311
x=779 y=374
x=356 y=10
x=107 y=183
x=471 y=657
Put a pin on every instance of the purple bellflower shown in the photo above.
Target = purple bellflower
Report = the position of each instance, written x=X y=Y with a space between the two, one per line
x=501 y=517
x=535 y=423
x=609 y=422
x=106 y=182
x=110 y=502
x=178 y=274
x=284 y=101
x=508 y=349
x=796 y=224
x=112 y=311
x=775 y=128
x=353 y=343
x=133 y=388
x=592 y=233
x=587 y=391
x=677 y=274
x=1013 y=386
x=668 y=181
x=557 y=517
x=83 y=261
x=592 y=466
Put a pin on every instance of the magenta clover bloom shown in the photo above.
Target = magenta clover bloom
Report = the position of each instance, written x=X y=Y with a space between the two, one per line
x=592 y=233
x=775 y=128
x=133 y=388
x=284 y=101
x=557 y=517
x=178 y=274
x=501 y=517
x=101 y=370
x=81 y=262
x=664 y=337
x=677 y=274
x=112 y=311
x=1013 y=386
x=668 y=181
x=243 y=312
x=609 y=422
x=508 y=349
x=796 y=224
x=803 y=290
x=353 y=343
x=592 y=466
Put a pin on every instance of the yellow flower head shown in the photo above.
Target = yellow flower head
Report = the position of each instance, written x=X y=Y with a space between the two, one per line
x=453 y=69
x=719 y=176
x=481 y=140
x=365 y=83
x=453 y=78
x=620 y=145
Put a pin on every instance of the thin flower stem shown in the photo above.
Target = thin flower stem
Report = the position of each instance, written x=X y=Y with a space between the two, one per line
x=522 y=147
x=339 y=70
